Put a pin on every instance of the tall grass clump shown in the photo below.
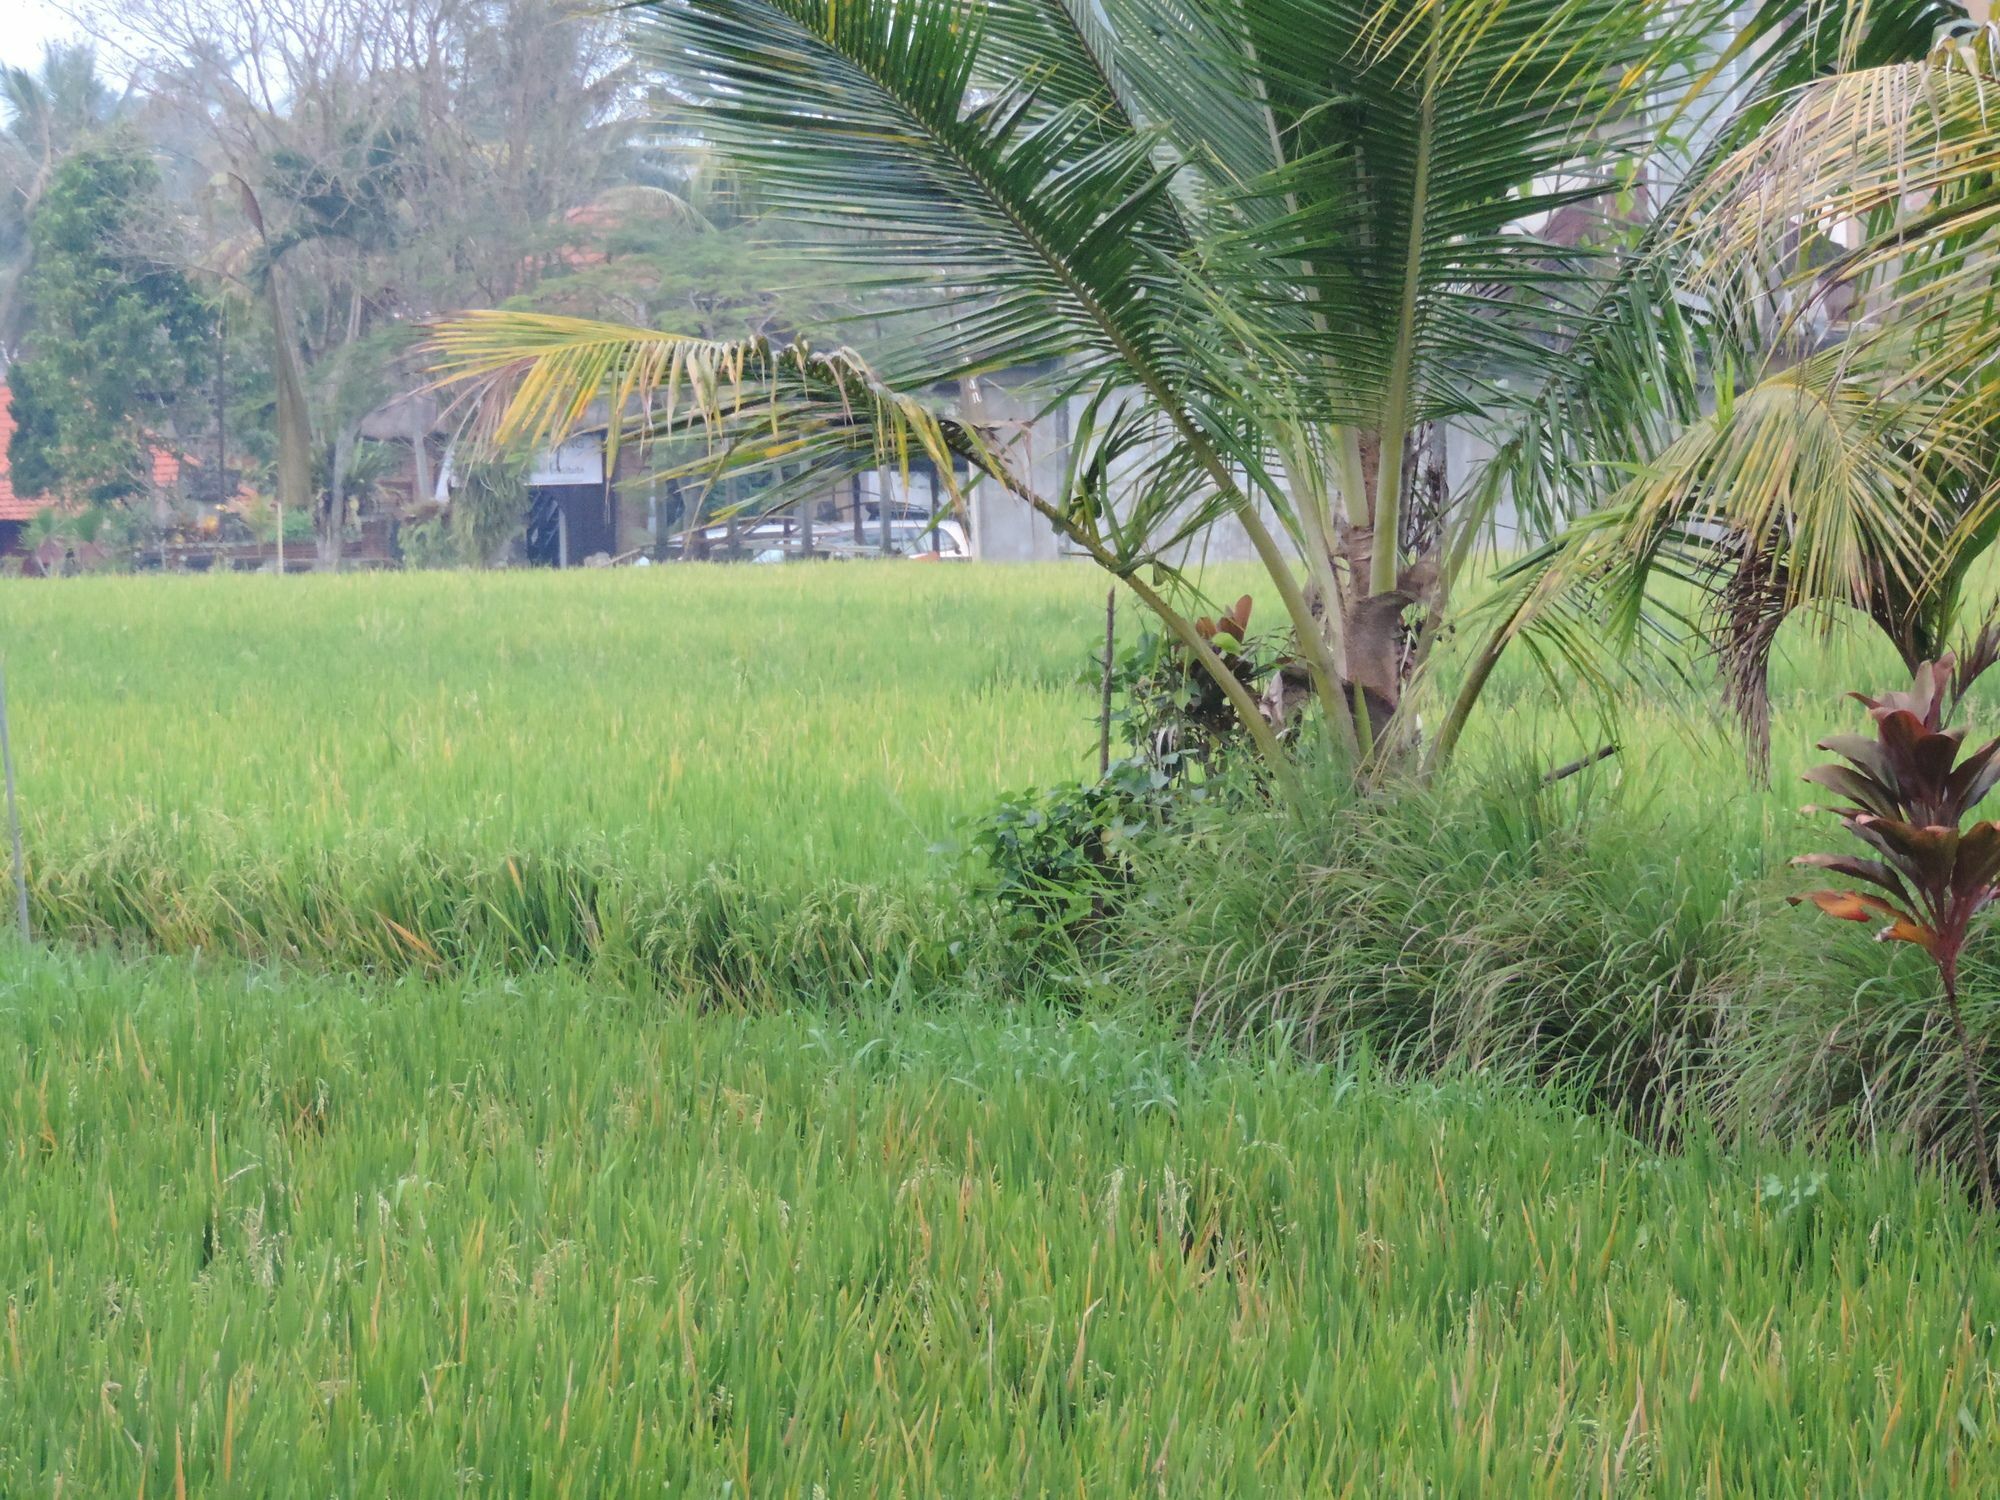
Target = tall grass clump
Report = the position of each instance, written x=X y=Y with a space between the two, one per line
x=1524 y=931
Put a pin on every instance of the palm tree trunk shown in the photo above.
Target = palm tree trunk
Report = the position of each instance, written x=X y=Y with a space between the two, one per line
x=294 y=419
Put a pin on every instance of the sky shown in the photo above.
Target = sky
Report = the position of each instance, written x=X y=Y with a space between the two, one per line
x=26 y=26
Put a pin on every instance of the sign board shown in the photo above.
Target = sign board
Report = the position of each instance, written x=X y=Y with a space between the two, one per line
x=578 y=461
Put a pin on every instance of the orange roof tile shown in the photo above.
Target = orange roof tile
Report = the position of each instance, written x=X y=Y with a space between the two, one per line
x=13 y=507
x=166 y=468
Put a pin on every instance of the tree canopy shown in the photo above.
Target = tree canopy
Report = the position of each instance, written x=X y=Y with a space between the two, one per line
x=119 y=340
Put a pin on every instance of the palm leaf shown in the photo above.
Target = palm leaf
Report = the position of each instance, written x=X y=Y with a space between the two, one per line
x=750 y=404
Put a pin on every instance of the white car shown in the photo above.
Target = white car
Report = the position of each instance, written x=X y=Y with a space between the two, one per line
x=921 y=538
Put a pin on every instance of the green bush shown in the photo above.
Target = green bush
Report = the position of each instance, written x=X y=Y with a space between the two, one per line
x=1059 y=860
x=1516 y=933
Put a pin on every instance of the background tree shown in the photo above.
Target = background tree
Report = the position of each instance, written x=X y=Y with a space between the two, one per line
x=47 y=114
x=366 y=164
x=119 y=341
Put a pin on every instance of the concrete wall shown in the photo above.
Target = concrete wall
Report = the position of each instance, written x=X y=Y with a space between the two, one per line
x=1003 y=528
x=1036 y=444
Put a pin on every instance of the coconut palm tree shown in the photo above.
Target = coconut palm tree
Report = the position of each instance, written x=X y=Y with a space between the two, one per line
x=1268 y=247
x=1850 y=461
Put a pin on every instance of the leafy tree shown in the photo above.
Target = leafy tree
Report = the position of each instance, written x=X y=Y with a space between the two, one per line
x=119 y=340
x=48 y=113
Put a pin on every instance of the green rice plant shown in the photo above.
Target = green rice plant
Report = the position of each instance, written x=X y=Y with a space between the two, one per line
x=273 y=1235
x=299 y=767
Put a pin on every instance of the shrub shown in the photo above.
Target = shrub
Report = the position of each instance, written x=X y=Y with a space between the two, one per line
x=1510 y=933
x=1059 y=859
x=1907 y=796
x=1173 y=713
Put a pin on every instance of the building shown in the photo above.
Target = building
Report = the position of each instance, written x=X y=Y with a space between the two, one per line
x=579 y=515
x=15 y=511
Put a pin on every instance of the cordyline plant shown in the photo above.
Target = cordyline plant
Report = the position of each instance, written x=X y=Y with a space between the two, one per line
x=1179 y=718
x=1908 y=795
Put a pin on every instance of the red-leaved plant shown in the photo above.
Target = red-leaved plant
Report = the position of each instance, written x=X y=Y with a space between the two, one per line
x=1907 y=797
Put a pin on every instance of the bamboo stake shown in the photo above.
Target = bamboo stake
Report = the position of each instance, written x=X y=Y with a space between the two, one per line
x=1104 y=708
x=13 y=817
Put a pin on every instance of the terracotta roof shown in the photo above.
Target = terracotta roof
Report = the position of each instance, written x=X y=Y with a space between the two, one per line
x=12 y=507
x=166 y=468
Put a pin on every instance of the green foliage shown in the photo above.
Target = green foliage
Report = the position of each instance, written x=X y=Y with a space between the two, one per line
x=656 y=1039
x=1176 y=716
x=1063 y=858
x=1832 y=1041
x=1059 y=859
x=118 y=337
x=489 y=509
x=31 y=452
x=428 y=544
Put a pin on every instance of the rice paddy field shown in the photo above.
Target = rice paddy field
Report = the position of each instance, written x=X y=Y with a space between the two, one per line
x=502 y=1035
x=810 y=723
x=437 y=768
x=370 y=769
x=284 y=1236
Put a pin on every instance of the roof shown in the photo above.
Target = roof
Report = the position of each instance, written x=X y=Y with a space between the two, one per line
x=165 y=467
x=12 y=507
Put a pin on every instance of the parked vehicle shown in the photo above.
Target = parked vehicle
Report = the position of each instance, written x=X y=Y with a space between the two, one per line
x=772 y=539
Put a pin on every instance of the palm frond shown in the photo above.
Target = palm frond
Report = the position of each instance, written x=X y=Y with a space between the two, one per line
x=752 y=405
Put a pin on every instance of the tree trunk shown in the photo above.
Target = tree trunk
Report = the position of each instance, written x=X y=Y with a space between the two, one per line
x=333 y=520
x=294 y=420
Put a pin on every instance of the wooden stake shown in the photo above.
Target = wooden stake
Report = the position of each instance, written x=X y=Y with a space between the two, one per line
x=1110 y=658
x=13 y=816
